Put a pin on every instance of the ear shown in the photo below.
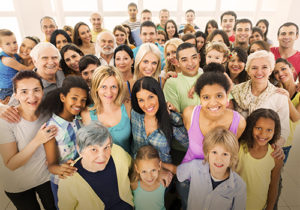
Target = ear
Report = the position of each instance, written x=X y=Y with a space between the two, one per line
x=159 y=164
x=62 y=97
x=77 y=148
x=136 y=168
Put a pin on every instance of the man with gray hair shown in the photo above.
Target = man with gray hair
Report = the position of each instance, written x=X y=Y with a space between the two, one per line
x=48 y=25
x=105 y=46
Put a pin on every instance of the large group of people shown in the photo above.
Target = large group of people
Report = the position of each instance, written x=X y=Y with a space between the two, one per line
x=148 y=116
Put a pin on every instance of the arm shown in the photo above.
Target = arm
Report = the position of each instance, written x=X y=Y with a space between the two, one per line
x=14 y=159
x=171 y=94
x=294 y=111
x=186 y=116
x=170 y=167
x=85 y=114
x=67 y=195
x=283 y=112
x=12 y=63
x=9 y=113
x=273 y=187
x=183 y=171
x=241 y=127
x=128 y=108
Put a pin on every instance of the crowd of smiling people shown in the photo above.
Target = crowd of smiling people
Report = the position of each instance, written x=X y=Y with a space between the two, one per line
x=148 y=116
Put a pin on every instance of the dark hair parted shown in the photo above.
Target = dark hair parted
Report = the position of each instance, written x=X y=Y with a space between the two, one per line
x=263 y=44
x=56 y=33
x=176 y=30
x=189 y=36
x=87 y=60
x=25 y=75
x=183 y=46
x=162 y=115
x=130 y=38
x=76 y=37
x=247 y=135
x=266 y=23
x=285 y=61
x=35 y=39
x=147 y=24
x=127 y=49
x=52 y=103
x=242 y=56
x=258 y=30
x=232 y=13
x=211 y=36
x=63 y=50
x=212 y=23
x=202 y=51
x=216 y=76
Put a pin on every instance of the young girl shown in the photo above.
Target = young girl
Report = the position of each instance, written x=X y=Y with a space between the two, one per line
x=64 y=104
x=257 y=167
x=148 y=192
x=216 y=52
x=214 y=184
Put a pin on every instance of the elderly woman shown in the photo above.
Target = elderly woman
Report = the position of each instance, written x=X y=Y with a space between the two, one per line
x=101 y=180
x=258 y=92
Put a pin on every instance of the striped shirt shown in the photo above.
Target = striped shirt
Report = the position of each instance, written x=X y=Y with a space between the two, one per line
x=132 y=25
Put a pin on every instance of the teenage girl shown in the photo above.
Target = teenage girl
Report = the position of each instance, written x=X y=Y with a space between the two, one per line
x=148 y=192
x=64 y=104
x=257 y=167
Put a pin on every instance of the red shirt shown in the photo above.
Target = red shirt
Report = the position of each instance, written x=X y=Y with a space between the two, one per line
x=232 y=38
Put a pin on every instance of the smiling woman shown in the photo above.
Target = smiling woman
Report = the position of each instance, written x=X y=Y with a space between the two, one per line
x=83 y=38
x=71 y=55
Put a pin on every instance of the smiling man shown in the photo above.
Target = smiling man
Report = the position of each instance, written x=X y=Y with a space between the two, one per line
x=96 y=21
x=228 y=19
x=48 y=25
x=243 y=30
x=105 y=46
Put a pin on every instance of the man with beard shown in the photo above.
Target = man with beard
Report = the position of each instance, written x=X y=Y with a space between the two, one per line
x=243 y=31
x=105 y=46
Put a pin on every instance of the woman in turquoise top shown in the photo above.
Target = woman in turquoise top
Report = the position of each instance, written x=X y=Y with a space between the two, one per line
x=109 y=108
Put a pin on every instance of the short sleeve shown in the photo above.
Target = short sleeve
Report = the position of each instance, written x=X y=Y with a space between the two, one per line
x=6 y=132
x=184 y=170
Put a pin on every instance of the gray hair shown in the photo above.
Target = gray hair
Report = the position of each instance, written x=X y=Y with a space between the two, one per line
x=97 y=47
x=35 y=52
x=261 y=54
x=92 y=134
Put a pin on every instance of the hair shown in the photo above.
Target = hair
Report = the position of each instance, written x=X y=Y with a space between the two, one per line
x=218 y=46
x=34 y=53
x=162 y=115
x=188 y=27
x=5 y=32
x=213 y=23
x=68 y=28
x=247 y=135
x=176 y=30
x=211 y=36
x=244 y=20
x=100 y=74
x=266 y=23
x=202 y=51
x=35 y=39
x=214 y=67
x=285 y=61
x=56 y=33
x=261 y=54
x=210 y=78
x=146 y=11
x=128 y=51
x=175 y=42
x=222 y=136
x=143 y=50
x=263 y=44
x=287 y=25
x=258 y=30
x=92 y=134
x=122 y=29
x=25 y=75
x=189 y=36
x=76 y=37
x=132 y=4
x=242 y=56
x=87 y=60
x=130 y=38
x=147 y=24
x=163 y=10
x=52 y=102
x=162 y=32
x=47 y=17
x=232 y=13
x=190 y=10
x=98 y=39
x=63 y=50
x=183 y=46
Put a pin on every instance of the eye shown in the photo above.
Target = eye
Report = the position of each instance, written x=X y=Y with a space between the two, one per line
x=258 y=128
x=269 y=130
x=213 y=152
x=220 y=96
x=225 y=154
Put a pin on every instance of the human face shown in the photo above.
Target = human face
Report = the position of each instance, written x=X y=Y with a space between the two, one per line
x=72 y=60
x=108 y=90
x=87 y=73
x=242 y=33
x=148 y=34
x=148 y=170
x=29 y=93
x=256 y=36
x=47 y=62
x=263 y=131
x=215 y=56
x=262 y=27
x=107 y=44
x=25 y=48
x=171 y=55
x=254 y=48
x=235 y=66
x=210 y=28
x=48 y=26
x=283 y=73
x=85 y=34
x=146 y=16
x=200 y=42
x=9 y=45
x=74 y=102
x=218 y=38
x=227 y=23
x=170 y=30
x=120 y=37
x=219 y=161
x=213 y=100
x=70 y=34
x=96 y=157
x=96 y=21
x=148 y=102
x=190 y=17
x=189 y=61
x=287 y=36
x=123 y=61
x=161 y=39
x=61 y=41
x=148 y=65
x=132 y=11
x=163 y=17
x=259 y=71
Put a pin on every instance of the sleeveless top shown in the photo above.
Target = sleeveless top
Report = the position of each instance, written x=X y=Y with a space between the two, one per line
x=195 y=150
x=149 y=200
x=7 y=73
x=257 y=175
x=121 y=132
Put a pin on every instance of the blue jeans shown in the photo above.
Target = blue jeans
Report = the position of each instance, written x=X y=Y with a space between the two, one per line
x=286 y=151
x=183 y=189
x=54 y=188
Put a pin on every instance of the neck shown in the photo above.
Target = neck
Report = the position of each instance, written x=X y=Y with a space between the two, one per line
x=286 y=52
x=220 y=175
x=97 y=29
x=132 y=19
x=28 y=115
x=229 y=33
x=107 y=58
x=67 y=116
x=233 y=76
x=86 y=44
x=290 y=87
x=127 y=75
x=257 y=89
x=150 y=117
x=243 y=45
x=47 y=77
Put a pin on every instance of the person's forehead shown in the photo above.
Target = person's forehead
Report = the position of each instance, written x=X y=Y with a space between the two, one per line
x=187 y=52
x=288 y=28
x=243 y=25
x=190 y=13
x=48 y=21
x=227 y=17
x=47 y=52
x=147 y=29
x=107 y=36
x=146 y=14
x=96 y=15
x=164 y=13
x=132 y=7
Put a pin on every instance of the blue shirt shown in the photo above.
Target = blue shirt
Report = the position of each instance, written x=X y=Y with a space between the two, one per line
x=7 y=73
x=136 y=36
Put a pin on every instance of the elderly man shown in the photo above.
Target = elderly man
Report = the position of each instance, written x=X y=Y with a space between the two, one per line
x=45 y=57
x=96 y=21
x=105 y=46
x=48 y=25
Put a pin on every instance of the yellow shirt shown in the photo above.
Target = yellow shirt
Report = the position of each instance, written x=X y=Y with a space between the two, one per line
x=95 y=34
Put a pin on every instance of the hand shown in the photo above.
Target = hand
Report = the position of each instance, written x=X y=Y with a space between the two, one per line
x=9 y=114
x=278 y=152
x=191 y=92
x=283 y=92
x=45 y=133
x=165 y=177
x=171 y=107
x=66 y=169
x=298 y=87
x=171 y=74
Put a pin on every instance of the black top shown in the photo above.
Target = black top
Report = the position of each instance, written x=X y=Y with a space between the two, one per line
x=216 y=183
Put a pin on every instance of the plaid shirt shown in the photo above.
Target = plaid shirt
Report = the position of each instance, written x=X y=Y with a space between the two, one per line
x=157 y=138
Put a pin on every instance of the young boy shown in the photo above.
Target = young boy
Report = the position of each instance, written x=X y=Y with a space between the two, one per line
x=132 y=12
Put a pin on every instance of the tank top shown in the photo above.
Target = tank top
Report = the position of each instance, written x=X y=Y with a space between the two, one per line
x=149 y=200
x=195 y=150
x=121 y=132
x=7 y=73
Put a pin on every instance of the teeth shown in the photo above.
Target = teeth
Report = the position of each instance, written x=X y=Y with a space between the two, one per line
x=214 y=109
x=150 y=109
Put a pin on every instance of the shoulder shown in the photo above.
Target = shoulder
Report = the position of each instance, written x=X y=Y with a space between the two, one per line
x=188 y=111
x=238 y=181
x=134 y=185
x=127 y=105
x=120 y=155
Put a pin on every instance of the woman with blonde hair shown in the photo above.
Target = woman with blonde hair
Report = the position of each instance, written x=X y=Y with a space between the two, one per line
x=170 y=55
x=107 y=92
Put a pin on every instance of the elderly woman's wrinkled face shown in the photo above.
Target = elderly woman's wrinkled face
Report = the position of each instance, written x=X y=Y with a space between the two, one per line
x=96 y=157
x=260 y=70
